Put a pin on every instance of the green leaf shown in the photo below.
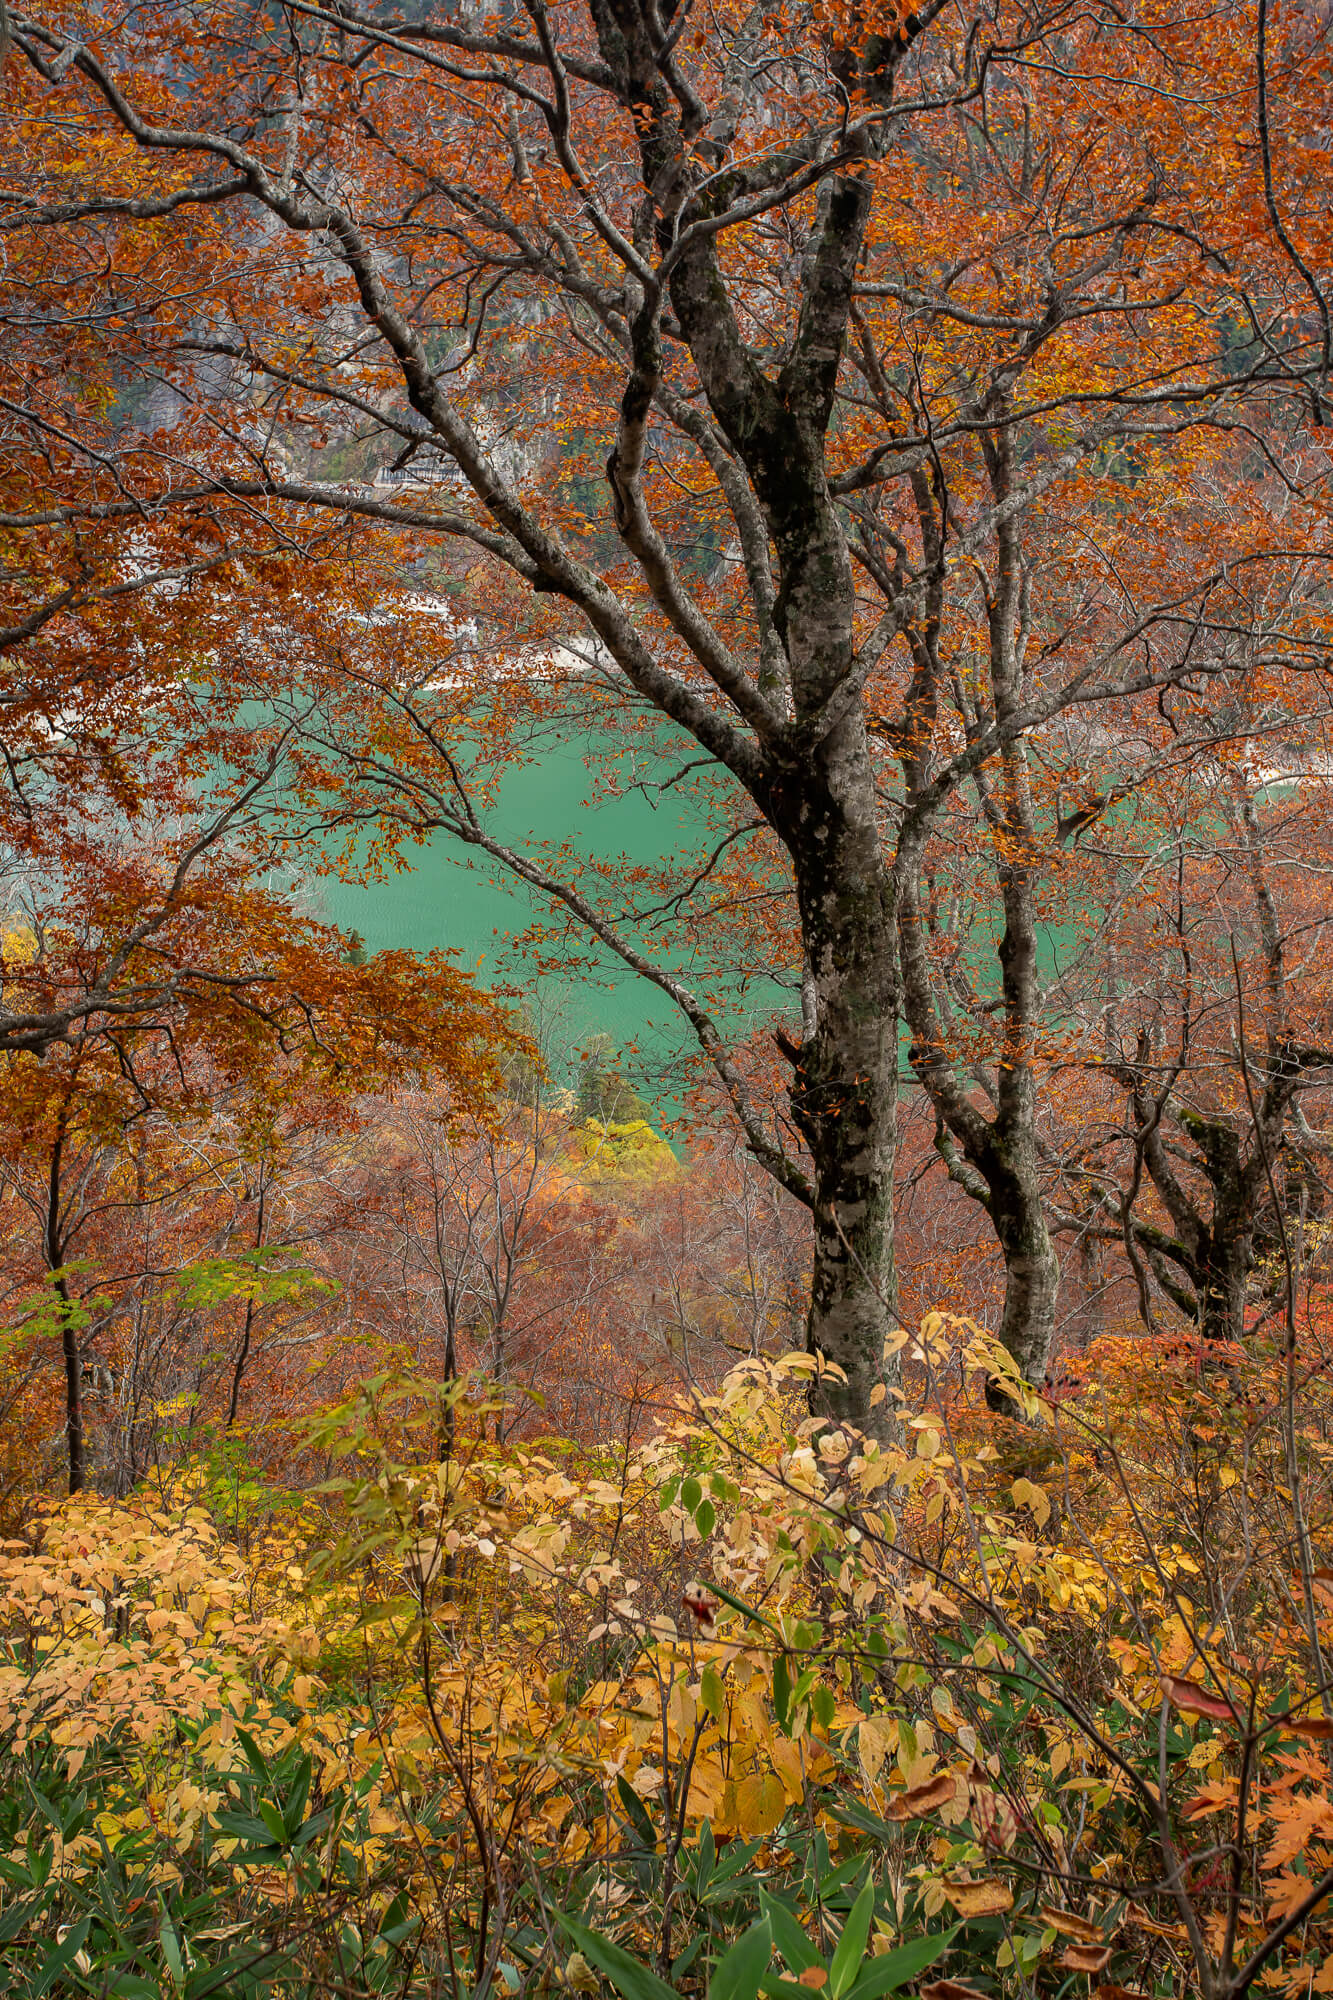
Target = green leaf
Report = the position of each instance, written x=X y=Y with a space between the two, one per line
x=691 y=1493
x=254 y=1755
x=790 y=1939
x=47 y=1809
x=705 y=1518
x=631 y=1979
x=710 y=1691
x=830 y=1879
x=746 y=1610
x=781 y=1690
x=852 y=1944
x=403 y=1606
x=688 y=1956
x=62 y=1958
x=898 y=1968
x=395 y=1913
x=272 y=1819
x=737 y=1976
x=707 y=1861
x=848 y=1813
x=311 y=1829
x=171 y=1949
x=294 y=1810
x=244 y=1826
x=16 y=1919
x=738 y=1857
x=636 y=1812
x=233 y=1976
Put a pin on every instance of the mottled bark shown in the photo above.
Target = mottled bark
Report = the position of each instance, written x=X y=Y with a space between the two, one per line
x=845 y=1094
x=1031 y=1268
x=816 y=787
x=1224 y=1252
x=1204 y=1261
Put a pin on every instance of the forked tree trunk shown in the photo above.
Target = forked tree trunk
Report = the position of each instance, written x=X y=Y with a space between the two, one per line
x=993 y=1158
x=844 y=1098
x=1204 y=1261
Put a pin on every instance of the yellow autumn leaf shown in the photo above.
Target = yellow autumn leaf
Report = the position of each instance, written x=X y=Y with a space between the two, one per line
x=876 y=1737
x=760 y=1804
x=1028 y=1494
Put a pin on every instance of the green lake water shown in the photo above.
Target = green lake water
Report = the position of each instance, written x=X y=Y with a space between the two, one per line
x=446 y=898
x=450 y=899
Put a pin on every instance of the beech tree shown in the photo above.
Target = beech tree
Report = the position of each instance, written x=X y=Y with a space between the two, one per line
x=865 y=337
x=1209 y=1160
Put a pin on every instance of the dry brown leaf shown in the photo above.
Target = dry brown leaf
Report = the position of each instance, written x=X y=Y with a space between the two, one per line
x=979 y=1899
x=1086 y=1957
x=1153 y=1928
x=814 y=1977
x=923 y=1799
x=1071 y=1925
x=948 y=1989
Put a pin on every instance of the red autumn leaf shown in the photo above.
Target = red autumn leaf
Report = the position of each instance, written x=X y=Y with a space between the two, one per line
x=701 y=1608
x=1191 y=1699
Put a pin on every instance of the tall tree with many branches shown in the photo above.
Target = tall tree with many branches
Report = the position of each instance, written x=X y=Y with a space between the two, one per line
x=822 y=374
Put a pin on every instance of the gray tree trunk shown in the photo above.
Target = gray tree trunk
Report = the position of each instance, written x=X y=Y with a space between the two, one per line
x=1031 y=1271
x=990 y=1147
x=844 y=1096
